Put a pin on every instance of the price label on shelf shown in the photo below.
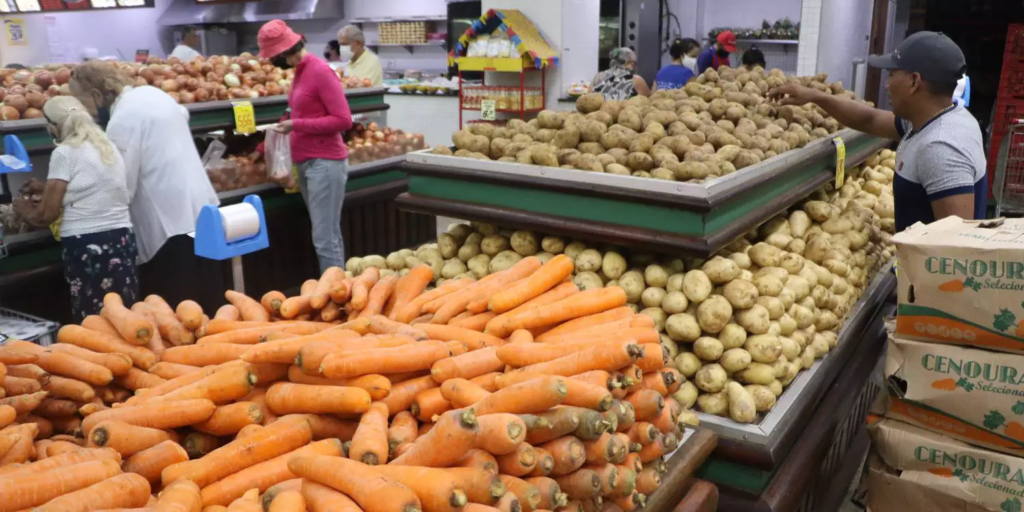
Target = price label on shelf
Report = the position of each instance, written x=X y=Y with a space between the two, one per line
x=840 y=161
x=487 y=111
x=245 y=117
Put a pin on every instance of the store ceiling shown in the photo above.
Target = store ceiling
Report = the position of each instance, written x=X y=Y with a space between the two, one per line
x=189 y=12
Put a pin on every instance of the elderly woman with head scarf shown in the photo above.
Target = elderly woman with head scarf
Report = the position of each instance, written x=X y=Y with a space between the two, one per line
x=620 y=81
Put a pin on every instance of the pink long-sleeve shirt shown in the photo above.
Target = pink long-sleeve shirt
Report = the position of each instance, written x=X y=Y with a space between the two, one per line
x=319 y=112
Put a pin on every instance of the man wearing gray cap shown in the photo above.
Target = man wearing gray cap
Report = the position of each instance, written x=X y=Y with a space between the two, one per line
x=940 y=162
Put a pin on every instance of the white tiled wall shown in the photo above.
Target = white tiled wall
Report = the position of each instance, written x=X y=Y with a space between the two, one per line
x=810 y=26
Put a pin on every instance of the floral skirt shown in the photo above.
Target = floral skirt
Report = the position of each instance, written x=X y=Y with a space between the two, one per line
x=99 y=263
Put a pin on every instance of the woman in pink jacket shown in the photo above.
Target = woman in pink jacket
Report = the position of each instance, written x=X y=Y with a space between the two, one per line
x=319 y=113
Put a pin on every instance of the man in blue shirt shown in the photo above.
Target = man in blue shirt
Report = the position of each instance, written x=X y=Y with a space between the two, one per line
x=717 y=54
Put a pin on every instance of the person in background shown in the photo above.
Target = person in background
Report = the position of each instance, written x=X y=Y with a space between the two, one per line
x=167 y=183
x=363 y=63
x=676 y=74
x=332 y=54
x=753 y=58
x=319 y=113
x=691 y=49
x=940 y=162
x=87 y=181
x=718 y=53
x=620 y=81
x=186 y=51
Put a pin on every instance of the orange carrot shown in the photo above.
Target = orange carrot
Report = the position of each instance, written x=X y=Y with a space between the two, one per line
x=568 y=452
x=508 y=503
x=64 y=364
x=100 y=324
x=647 y=403
x=478 y=459
x=480 y=486
x=606 y=448
x=122 y=491
x=133 y=328
x=205 y=355
x=378 y=386
x=161 y=415
x=403 y=393
x=581 y=484
x=467 y=366
x=551 y=495
x=437 y=490
x=420 y=356
x=546 y=277
x=341 y=291
x=528 y=495
x=475 y=340
x=606 y=357
x=470 y=321
x=125 y=438
x=429 y=403
x=31 y=489
x=534 y=353
x=137 y=379
x=170 y=371
x=463 y=393
x=403 y=429
x=271 y=302
x=105 y=343
x=229 y=419
x=409 y=287
x=655 y=358
x=265 y=474
x=318 y=299
x=7 y=415
x=532 y=396
x=549 y=297
x=500 y=433
x=248 y=502
x=415 y=306
x=545 y=463
x=220 y=387
x=249 y=430
x=643 y=433
x=648 y=481
x=72 y=389
x=371 y=491
x=228 y=312
x=370 y=442
x=24 y=404
x=28 y=371
x=321 y=498
x=167 y=322
x=55 y=448
x=287 y=501
x=118 y=364
x=478 y=507
x=589 y=321
x=198 y=444
x=484 y=289
x=665 y=444
x=251 y=310
x=361 y=287
x=378 y=296
x=181 y=496
x=288 y=398
x=285 y=350
x=19 y=386
x=518 y=462
x=325 y=426
x=457 y=430
x=330 y=312
x=577 y=305
x=190 y=313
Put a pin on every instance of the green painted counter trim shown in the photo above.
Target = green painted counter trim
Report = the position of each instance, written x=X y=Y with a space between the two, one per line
x=31 y=260
x=596 y=209
x=731 y=474
x=356 y=184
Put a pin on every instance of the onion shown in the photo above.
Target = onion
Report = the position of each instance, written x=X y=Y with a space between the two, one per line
x=152 y=59
x=23 y=76
x=10 y=114
x=247 y=80
x=205 y=68
x=182 y=81
x=65 y=90
x=129 y=71
x=139 y=81
x=237 y=92
x=170 y=75
x=44 y=79
x=63 y=76
x=202 y=95
x=175 y=96
x=174 y=60
x=3 y=93
x=33 y=88
x=148 y=75
x=193 y=84
x=169 y=85
x=273 y=89
x=35 y=99
x=231 y=80
x=178 y=68
x=187 y=97
x=17 y=101
x=222 y=94
x=32 y=113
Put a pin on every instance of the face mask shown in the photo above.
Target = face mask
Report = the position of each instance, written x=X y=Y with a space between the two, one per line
x=345 y=52
x=281 y=62
x=689 y=62
x=723 y=53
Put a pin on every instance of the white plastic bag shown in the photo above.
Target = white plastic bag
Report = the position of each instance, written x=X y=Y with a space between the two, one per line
x=278 y=155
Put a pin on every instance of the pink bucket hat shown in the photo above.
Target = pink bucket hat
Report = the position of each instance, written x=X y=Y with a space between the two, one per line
x=275 y=38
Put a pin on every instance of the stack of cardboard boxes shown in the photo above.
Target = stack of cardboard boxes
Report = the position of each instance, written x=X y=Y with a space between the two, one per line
x=952 y=436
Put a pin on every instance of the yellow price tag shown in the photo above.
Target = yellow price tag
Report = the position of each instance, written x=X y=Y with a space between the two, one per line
x=245 y=117
x=487 y=110
x=295 y=178
x=55 y=227
x=840 y=161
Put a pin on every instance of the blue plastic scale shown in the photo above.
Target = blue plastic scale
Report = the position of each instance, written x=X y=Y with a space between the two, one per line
x=212 y=243
x=14 y=160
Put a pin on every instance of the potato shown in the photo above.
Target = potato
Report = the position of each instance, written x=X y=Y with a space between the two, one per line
x=697 y=286
x=756 y=373
x=652 y=297
x=732 y=336
x=355 y=265
x=378 y=261
x=633 y=284
x=503 y=261
x=601 y=117
x=774 y=306
x=674 y=302
x=479 y=265
x=590 y=102
x=742 y=260
x=682 y=327
x=686 y=395
x=448 y=246
x=721 y=270
x=453 y=267
x=675 y=281
x=659 y=317
x=491 y=245
x=755 y=320
x=640 y=162
x=741 y=294
x=687 y=363
x=714 y=313
x=690 y=170
x=588 y=261
x=395 y=261
x=764 y=399
x=613 y=265
x=707 y=348
x=742 y=408
x=714 y=403
x=767 y=285
x=587 y=281
x=764 y=348
x=734 y=360
x=655 y=275
x=630 y=118
x=524 y=243
x=710 y=378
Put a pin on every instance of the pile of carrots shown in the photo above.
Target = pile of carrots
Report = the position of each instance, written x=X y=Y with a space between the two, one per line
x=517 y=392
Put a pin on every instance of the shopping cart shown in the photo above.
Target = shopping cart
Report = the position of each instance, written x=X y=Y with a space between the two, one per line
x=19 y=326
x=1009 y=183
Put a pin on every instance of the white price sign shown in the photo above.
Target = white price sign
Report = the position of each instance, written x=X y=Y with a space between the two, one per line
x=487 y=111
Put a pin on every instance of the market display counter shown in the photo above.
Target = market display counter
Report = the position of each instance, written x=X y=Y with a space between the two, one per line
x=31 y=277
x=678 y=479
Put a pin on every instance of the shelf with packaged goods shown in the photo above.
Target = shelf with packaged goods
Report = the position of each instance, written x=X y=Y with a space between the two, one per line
x=666 y=216
x=203 y=117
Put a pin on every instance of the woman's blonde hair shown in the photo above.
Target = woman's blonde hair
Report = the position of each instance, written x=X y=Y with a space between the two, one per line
x=101 y=76
x=77 y=127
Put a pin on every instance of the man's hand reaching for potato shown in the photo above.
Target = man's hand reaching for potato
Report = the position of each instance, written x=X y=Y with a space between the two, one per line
x=793 y=94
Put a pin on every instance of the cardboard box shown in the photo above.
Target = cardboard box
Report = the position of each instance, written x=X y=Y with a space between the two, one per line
x=951 y=469
x=962 y=283
x=889 y=491
x=973 y=395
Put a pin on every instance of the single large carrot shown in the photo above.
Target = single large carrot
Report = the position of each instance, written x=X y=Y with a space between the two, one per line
x=480 y=486
x=647 y=403
x=409 y=287
x=467 y=366
x=428 y=404
x=370 y=442
x=519 y=462
x=167 y=322
x=528 y=495
x=580 y=484
x=30 y=489
x=250 y=309
x=378 y=296
x=100 y=324
x=532 y=396
x=321 y=498
x=655 y=358
x=127 y=439
x=220 y=387
x=7 y=415
x=415 y=306
x=170 y=371
x=181 y=496
x=581 y=304
x=373 y=492
x=341 y=291
x=484 y=289
x=437 y=490
x=118 y=364
x=534 y=353
x=455 y=430
x=500 y=433
x=65 y=365
x=151 y=461
x=545 y=463
x=137 y=379
x=642 y=336
x=134 y=329
x=509 y=503
x=264 y=474
x=204 y=355
x=28 y=371
x=361 y=287
x=321 y=294
x=568 y=452
x=402 y=394
x=475 y=340
x=161 y=415
x=180 y=381
x=325 y=426
x=20 y=386
x=122 y=491
x=606 y=357
x=60 y=387
x=156 y=341
x=24 y=404
x=546 y=277
x=63 y=460
x=101 y=342
x=463 y=393
x=288 y=501
x=607 y=448
x=473 y=322
x=271 y=302
x=229 y=419
x=289 y=398
x=311 y=355
x=586 y=322
x=378 y=386
x=420 y=356
x=551 y=495
x=478 y=459
x=403 y=429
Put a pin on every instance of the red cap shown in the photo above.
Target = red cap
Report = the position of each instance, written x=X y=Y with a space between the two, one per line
x=275 y=38
x=727 y=39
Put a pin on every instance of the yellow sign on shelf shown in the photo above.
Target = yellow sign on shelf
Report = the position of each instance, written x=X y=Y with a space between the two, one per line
x=490 y=64
x=245 y=117
x=840 y=161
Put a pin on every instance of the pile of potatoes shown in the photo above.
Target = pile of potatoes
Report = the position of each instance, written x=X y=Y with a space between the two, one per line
x=716 y=125
x=739 y=326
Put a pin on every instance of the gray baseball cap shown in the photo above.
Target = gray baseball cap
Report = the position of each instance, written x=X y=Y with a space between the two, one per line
x=932 y=54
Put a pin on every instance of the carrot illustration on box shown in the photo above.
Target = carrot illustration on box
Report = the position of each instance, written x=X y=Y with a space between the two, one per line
x=952 y=384
x=995 y=419
x=957 y=286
